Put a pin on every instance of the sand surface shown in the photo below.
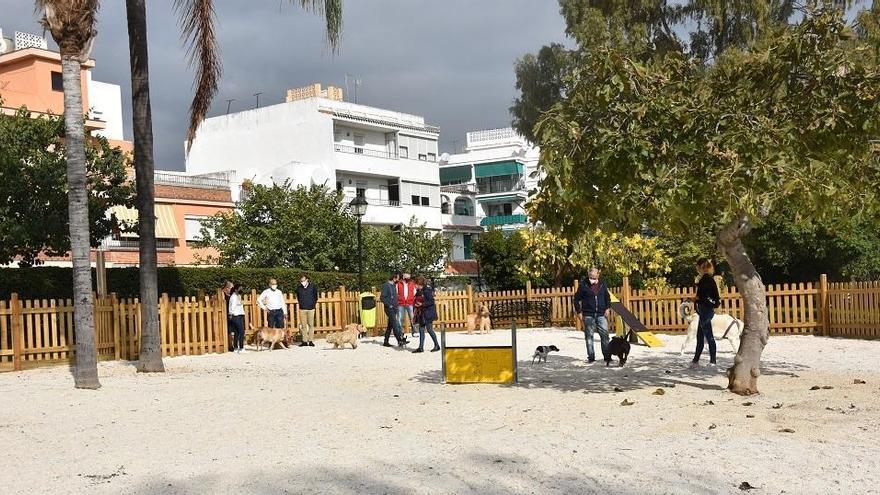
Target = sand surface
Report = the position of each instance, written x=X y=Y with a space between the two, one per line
x=377 y=420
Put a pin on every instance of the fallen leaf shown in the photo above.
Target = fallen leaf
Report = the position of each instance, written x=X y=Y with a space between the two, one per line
x=659 y=391
x=748 y=403
x=745 y=486
x=815 y=387
x=859 y=382
x=627 y=402
x=750 y=416
x=618 y=389
x=786 y=430
x=713 y=426
x=777 y=406
x=708 y=403
x=827 y=387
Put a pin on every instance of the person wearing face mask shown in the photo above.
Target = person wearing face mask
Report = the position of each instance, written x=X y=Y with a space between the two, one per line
x=272 y=300
x=707 y=300
x=406 y=293
x=426 y=313
x=593 y=301
x=307 y=298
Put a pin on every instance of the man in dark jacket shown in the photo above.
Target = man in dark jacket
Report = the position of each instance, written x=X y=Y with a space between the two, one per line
x=593 y=302
x=307 y=299
x=391 y=304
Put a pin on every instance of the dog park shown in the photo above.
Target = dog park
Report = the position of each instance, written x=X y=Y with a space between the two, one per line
x=286 y=421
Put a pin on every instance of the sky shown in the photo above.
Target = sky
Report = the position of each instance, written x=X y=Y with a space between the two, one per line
x=451 y=61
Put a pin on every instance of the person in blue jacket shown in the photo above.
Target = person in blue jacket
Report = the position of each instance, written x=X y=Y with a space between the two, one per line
x=593 y=301
x=390 y=302
x=426 y=313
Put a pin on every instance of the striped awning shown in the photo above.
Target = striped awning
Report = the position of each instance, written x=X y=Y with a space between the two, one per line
x=498 y=169
x=166 y=225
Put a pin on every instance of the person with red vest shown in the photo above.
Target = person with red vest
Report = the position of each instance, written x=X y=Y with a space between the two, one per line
x=406 y=295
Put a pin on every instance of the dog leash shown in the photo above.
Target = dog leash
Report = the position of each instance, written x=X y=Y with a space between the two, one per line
x=732 y=323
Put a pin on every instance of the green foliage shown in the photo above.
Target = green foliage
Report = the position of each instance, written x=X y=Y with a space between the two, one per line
x=670 y=143
x=284 y=226
x=499 y=254
x=413 y=248
x=54 y=282
x=33 y=188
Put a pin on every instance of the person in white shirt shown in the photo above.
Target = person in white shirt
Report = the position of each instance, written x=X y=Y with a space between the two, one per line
x=236 y=317
x=272 y=300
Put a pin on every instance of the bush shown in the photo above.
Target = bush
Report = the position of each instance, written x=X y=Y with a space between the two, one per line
x=56 y=282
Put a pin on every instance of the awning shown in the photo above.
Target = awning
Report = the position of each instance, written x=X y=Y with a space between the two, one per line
x=506 y=198
x=455 y=174
x=166 y=225
x=498 y=169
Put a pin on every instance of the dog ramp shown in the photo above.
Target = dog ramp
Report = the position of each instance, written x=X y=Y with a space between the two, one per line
x=636 y=326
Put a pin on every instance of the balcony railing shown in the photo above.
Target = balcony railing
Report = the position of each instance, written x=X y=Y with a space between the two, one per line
x=504 y=220
x=459 y=189
x=373 y=201
x=360 y=150
x=500 y=186
x=191 y=181
x=110 y=244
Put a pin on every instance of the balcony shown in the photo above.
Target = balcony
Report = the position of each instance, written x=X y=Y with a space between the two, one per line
x=459 y=189
x=110 y=244
x=494 y=186
x=504 y=220
x=195 y=181
x=360 y=150
x=373 y=201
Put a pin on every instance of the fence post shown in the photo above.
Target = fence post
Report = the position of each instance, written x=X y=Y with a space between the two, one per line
x=625 y=299
x=254 y=309
x=824 y=306
x=223 y=324
x=114 y=320
x=528 y=300
x=343 y=308
x=164 y=324
x=470 y=298
x=15 y=305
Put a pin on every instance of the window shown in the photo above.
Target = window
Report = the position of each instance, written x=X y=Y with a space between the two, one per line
x=508 y=209
x=393 y=192
x=464 y=206
x=444 y=205
x=426 y=201
x=359 y=143
x=339 y=186
x=193 y=228
x=432 y=157
x=468 y=243
x=423 y=157
x=404 y=152
x=57 y=81
x=415 y=199
x=360 y=192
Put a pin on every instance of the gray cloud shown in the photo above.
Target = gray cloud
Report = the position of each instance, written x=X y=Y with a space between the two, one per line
x=451 y=60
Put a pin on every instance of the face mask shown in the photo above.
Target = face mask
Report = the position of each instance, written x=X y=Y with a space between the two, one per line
x=273 y=287
x=305 y=284
x=594 y=280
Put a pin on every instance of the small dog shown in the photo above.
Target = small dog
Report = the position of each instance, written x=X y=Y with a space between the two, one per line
x=357 y=327
x=542 y=351
x=617 y=347
x=480 y=319
x=273 y=336
x=347 y=336
x=724 y=327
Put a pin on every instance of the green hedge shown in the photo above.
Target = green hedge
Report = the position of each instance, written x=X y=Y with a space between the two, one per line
x=55 y=282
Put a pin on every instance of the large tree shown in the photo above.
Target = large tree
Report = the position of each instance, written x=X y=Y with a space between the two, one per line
x=669 y=143
x=33 y=188
x=72 y=24
x=499 y=254
x=197 y=22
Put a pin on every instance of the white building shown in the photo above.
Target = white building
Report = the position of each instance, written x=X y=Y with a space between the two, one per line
x=388 y=157
x=486 y=186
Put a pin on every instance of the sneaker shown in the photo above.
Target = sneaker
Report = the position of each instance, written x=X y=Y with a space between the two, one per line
x=694 y=365
x=304 y=344
x=591 y=360
x=418 y=350
x=435 y=349
x=311 y=344
x=386 y=344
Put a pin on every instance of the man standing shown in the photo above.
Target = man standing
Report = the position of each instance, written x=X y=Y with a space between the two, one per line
x=390 y=301
x=593 y=301
x=406 y=293
x=307 y=297
x=272 y=300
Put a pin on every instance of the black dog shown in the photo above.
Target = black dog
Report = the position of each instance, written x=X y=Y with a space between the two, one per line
x=617 y=347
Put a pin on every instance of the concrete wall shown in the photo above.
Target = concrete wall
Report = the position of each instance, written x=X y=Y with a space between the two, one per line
x=106 y=105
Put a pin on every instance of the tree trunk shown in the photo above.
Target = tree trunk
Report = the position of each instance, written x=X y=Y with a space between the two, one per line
x=743 y=376
x=85 y=371
x=150 y=357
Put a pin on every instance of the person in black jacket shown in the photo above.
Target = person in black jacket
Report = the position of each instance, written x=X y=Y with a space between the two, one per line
x=706 y=301
x=307 y=299
x=593 y=302
x=390 y=301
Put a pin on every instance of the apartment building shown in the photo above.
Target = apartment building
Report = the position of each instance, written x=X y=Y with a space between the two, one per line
x=486 y=186
x=30 y=76
x=389 y=158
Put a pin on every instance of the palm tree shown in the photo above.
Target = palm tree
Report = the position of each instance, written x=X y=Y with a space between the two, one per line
x=197 y=23
x=72 y=24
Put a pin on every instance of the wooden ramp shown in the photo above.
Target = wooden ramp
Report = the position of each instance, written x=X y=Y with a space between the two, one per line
x=635 y=326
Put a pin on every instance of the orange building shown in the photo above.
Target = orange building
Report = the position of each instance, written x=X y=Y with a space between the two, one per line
x=30 y=76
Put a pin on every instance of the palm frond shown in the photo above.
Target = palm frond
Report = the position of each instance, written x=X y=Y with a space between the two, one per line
x=196 y=21
x=331 y=10
x=71 y=23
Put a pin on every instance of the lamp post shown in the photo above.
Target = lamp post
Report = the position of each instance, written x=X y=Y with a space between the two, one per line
x=359 y=207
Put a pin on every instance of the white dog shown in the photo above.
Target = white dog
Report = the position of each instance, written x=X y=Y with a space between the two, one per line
x=723 y=326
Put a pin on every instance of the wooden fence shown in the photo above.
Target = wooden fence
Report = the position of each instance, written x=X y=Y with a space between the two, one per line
x=37 y=332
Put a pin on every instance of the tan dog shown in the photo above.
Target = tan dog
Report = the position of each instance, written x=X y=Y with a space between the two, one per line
x=480 y=319
x=361 y=331
x=273 y=336
x=347 y=336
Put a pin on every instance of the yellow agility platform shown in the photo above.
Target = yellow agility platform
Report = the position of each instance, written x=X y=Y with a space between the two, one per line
x=479 y=364
x=635 y=326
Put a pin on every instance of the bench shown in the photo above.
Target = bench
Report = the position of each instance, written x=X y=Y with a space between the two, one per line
x=522 y=311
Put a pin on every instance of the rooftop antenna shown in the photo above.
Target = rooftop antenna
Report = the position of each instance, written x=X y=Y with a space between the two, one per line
x=258 y=98
x=356 y=81
x=229 y=104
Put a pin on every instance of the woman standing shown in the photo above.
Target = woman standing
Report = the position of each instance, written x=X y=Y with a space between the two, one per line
x=236 y=317
x=707 y=300
x=426 y=313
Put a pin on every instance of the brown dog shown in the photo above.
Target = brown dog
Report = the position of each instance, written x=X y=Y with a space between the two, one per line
x=480 y=319
x=356 y=327
x=347 y=336
x=272 y=336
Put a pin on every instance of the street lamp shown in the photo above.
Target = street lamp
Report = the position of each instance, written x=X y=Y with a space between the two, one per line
x=359 y=207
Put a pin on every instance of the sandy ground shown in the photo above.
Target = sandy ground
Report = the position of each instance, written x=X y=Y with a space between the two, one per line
x=377 y=420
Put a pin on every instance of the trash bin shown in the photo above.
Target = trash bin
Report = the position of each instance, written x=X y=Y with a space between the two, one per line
x=367 y=308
